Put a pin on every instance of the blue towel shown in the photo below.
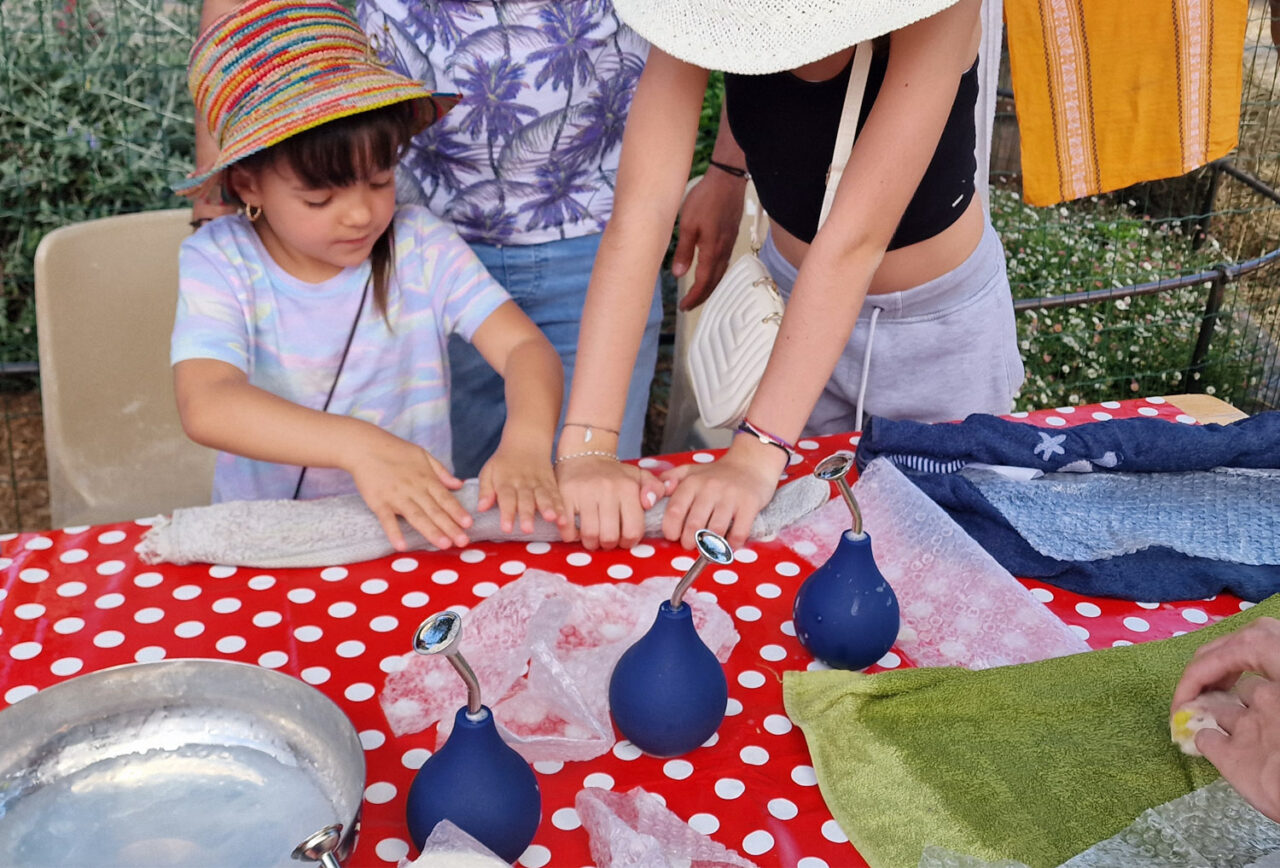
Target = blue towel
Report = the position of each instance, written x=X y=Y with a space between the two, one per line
x=933 y=457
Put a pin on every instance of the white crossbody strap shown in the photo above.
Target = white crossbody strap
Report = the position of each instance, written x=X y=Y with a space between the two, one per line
x=848 y=125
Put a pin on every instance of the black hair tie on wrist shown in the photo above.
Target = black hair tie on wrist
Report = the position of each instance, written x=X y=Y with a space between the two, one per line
x=732 y=170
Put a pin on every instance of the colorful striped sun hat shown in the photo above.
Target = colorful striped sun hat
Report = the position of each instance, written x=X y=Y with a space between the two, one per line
x=271 y=69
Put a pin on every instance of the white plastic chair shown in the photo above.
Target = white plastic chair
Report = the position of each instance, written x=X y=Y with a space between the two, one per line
x=105 y=297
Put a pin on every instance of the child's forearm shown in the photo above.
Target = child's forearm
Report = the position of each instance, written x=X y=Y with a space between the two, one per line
x=534 y=388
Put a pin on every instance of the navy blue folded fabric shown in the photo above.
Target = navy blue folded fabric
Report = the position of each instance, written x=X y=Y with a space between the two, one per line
x=932 y=456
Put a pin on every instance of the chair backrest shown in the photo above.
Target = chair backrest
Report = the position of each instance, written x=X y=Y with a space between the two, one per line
x=106 y=291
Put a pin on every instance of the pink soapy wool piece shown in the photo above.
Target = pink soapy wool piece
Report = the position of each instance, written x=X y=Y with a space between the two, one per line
x=635 y=830
x=543 y=649
x=959 y=606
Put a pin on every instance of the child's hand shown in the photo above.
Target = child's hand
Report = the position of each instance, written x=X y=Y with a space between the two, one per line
x=398 y=478
x=521 y=481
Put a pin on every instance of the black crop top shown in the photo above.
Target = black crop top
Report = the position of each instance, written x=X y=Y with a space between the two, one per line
x=787 y=129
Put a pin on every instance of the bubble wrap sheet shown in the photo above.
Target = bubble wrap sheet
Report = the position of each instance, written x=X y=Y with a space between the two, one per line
x=959 y=607
x=1212 y=827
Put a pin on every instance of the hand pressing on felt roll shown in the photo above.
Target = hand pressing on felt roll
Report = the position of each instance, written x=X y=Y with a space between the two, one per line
x=1234 y=721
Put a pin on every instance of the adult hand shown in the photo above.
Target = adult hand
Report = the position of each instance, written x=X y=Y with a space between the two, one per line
x=609 y=499
x=399 y=478
x=1248 y=755
x=709 y=221
x=521 y=481
x=723 y=496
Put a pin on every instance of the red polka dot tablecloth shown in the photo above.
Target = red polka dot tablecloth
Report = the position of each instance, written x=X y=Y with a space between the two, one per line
x=76 y=600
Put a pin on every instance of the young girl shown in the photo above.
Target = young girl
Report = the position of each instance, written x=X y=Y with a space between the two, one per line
x=309 y=343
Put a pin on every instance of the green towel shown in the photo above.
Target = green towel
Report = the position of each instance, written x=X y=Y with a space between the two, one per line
x=1034 y=762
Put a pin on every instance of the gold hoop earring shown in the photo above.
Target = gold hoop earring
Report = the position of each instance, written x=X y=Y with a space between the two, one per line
x=253 y=212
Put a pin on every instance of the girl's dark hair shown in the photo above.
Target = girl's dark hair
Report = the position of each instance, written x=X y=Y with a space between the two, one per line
x=342 y=152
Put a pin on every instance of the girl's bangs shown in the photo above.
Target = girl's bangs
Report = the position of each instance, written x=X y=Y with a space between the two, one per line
x=351 y=149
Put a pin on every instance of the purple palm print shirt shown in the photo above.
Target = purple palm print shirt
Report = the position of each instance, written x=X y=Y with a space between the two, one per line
x=531 y=153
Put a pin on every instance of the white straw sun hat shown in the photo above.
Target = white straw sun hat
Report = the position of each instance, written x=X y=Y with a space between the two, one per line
x=760 y=36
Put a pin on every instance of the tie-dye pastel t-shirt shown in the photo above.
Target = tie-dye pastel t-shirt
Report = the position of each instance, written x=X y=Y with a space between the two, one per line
x=236 y=305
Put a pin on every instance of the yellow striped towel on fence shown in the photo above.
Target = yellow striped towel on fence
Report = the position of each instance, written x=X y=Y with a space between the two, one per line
x=1114 y=92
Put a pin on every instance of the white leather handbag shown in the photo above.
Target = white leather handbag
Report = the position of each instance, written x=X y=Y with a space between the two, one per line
x=731 y=344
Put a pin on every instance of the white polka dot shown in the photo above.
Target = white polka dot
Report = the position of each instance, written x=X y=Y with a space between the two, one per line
x=414 y=600
x=414 y=757
x=111 y=537
x=747 y=613
x=1185 y=419
x=512 y=568
x=149 y=615
x=109 y=601
x=619 y=571
x=394 y=663
x=379 y=793
x=600 y=780
x=391 y=849
x=730 y=788
x=226 y=605
x=1155 y=400
x=1245 y=604
x=1148 y=411
x=804 y=776
x=230 y=644
x=150 y=654
x=777 y=724
x=547 y=767
x=267 y=619
x=188 y=629
x=301 y=595
x=471 y=556
x=374 y=586
x=1065 y=410
x=889 y=661
x=745 y=556
x=769 y=590
x=262 y=583
x=1110 y=405
x=360 y=691
x=703 y=457
x=712 y=741
x=222 y=571
x=787 y=568
x=535 y=856
x=732 y=708
x=1100 y=416
x=25 y=650
x=66 y=666
x=483 y=590
x=1079 y=631
x=566 y=819
x=384 y=624
x=577 y=559
x=19 y=693
x=29 y=611
x=812 y=862
x=334 y=574
x=677 y=769
x=109 y=568
x=757 y=842
x=724 y=577
x=1055 y=421
x=71 y=589
x=73 y=556
x=787 y=628
x=404 y=565
x=707 y=824
x=773 y=653
x=538 y=548
x=38 y=544
x=625 y=750
x=642 y=550
x=648 y=463
x=350 y=648
x=832 y=832
x=1148 y=605
x=343 y=609
x=187 y=592
x=783 y=809
x=682 y=563
x=751 y=679
x=753 y=755
x=308 y=633
x=1195 y=616
x=1088 y=610
x=66 y=626
x=372 y=739
x=273 y=660
x=316 y=675
x=1137 y=625
x=1120 y=643
x=808 y=445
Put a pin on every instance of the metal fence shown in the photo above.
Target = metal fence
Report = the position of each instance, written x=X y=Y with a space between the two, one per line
x=1166 y=287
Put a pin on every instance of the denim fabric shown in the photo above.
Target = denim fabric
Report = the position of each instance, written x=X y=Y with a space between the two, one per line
x=932 y=455
x=549 y=282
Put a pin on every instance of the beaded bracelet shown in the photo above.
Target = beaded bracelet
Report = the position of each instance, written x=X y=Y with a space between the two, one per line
x=590 y=453
x=765 y=437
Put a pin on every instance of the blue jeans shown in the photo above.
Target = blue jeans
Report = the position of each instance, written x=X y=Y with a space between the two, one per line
x=549 y=283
